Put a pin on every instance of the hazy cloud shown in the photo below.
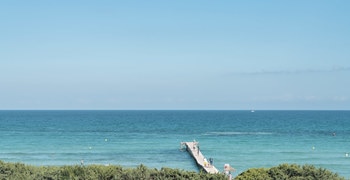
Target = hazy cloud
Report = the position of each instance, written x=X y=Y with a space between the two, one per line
x=297 y=71
x=340 y=98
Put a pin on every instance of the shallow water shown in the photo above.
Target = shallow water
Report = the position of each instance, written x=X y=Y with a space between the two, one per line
x=129 y=138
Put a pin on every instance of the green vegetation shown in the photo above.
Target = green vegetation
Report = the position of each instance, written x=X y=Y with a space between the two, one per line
x=289 y=172
x=15 y=171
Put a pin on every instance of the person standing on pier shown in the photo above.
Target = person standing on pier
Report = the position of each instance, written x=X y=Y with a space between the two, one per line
x=205 y=162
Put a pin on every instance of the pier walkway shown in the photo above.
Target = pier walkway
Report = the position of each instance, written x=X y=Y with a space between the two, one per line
x=193 y=149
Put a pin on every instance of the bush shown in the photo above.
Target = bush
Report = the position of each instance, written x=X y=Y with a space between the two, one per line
x=255 y=173
x=289 y=172
x=15 y=171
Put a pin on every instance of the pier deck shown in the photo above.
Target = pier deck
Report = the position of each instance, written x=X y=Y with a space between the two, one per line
x=193 y=149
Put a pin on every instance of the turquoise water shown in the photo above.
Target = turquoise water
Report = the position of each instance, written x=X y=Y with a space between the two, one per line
x=129 y=138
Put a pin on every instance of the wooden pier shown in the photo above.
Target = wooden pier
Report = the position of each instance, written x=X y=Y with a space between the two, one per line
x=193 y=149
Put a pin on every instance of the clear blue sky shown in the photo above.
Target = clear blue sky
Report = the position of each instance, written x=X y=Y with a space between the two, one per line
x=175 y=54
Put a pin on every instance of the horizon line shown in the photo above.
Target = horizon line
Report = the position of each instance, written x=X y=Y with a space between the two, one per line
x=175 y=110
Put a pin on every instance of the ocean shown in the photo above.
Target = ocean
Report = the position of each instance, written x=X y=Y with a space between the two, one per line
x=243 y=139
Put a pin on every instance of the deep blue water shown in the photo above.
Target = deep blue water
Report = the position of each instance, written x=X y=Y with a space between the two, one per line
x=129 y=138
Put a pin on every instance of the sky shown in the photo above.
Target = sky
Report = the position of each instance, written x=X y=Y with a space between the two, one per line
x=175 y=55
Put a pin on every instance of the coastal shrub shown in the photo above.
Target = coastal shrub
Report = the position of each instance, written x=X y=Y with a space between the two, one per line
x=102 y=172
x=15 y=171
x=254 y=174
x=289 y=172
